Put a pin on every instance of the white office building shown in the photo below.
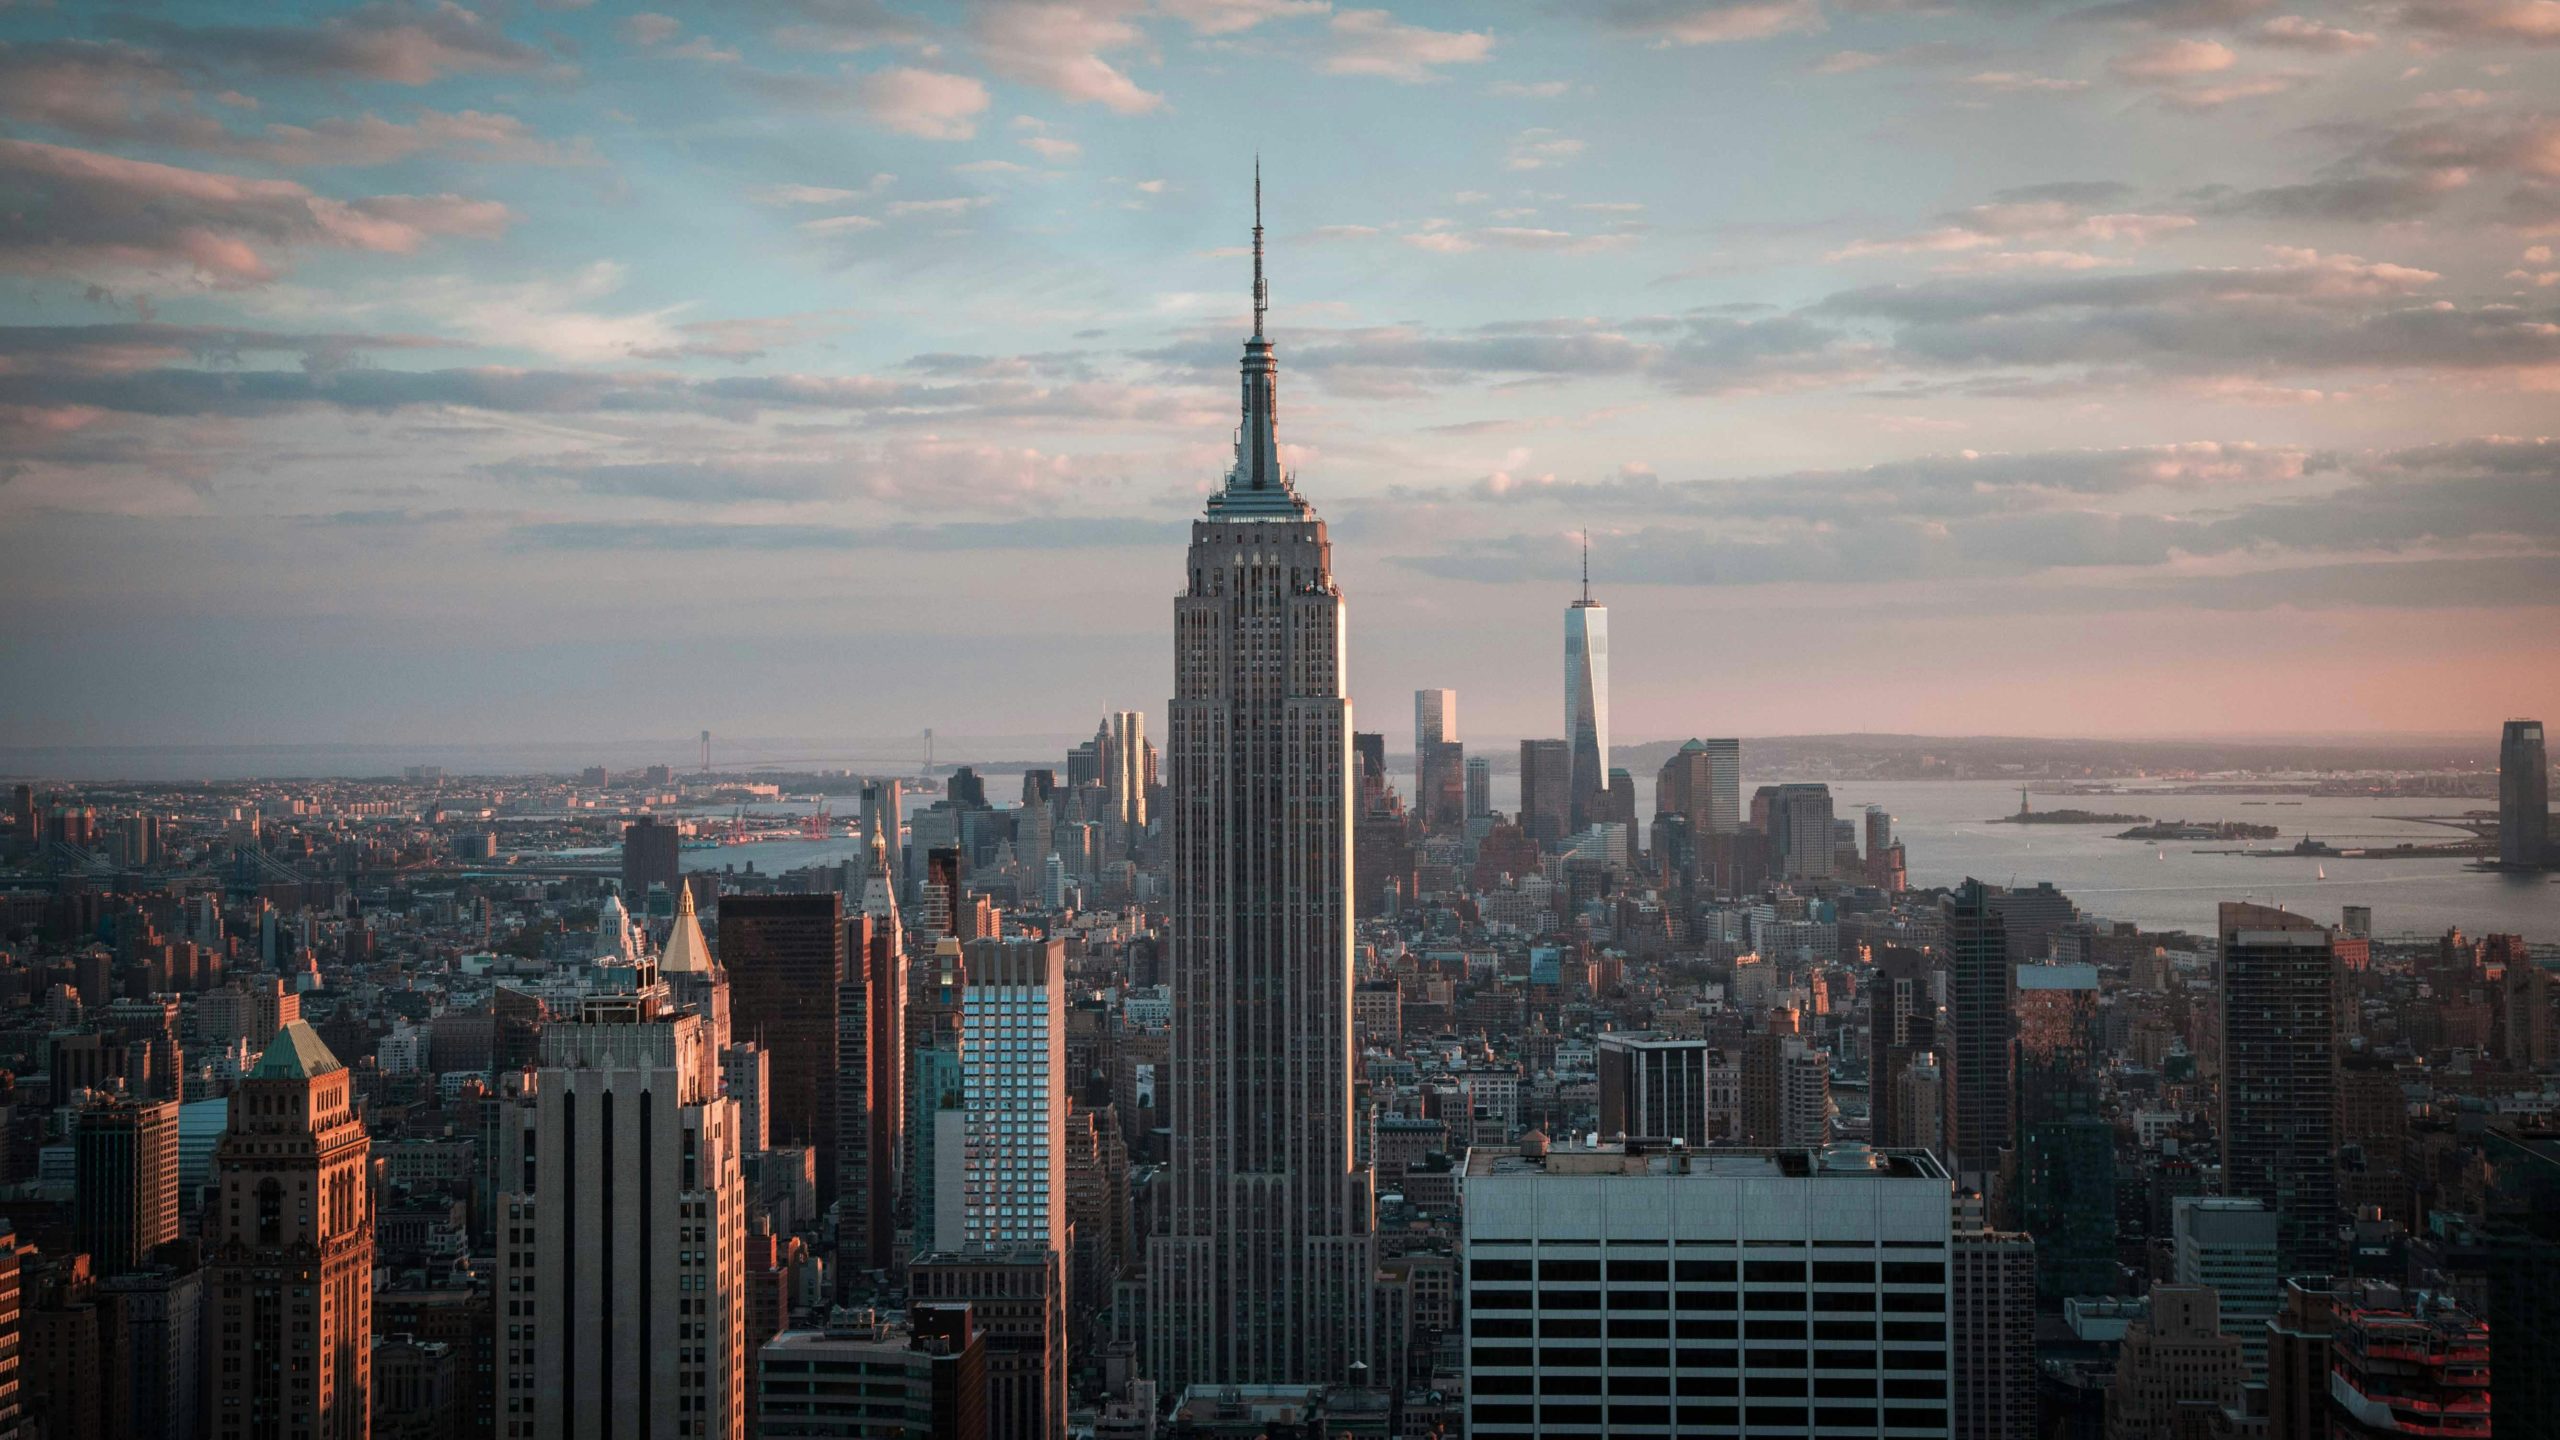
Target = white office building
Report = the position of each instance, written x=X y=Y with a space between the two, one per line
x=1637 y=1290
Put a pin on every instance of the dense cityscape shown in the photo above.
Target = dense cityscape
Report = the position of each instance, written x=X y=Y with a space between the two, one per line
x=1248 y=1083
x=606 y=832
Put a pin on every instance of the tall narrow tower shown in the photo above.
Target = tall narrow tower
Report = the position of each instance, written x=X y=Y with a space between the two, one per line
x=1263 y=1270
x=289 y=1246
x=1586 y=698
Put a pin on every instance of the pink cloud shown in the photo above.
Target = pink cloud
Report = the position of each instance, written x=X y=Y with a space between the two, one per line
x=928 y=104
x=97 y=212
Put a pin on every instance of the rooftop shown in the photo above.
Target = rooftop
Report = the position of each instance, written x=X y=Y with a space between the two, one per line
x=297 y=1053
x=1845 y=1161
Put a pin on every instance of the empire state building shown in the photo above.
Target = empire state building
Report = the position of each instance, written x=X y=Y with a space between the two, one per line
x=1262 y=1273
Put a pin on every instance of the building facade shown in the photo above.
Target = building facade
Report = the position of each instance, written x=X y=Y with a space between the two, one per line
x=2277 y=1080
x=289 y=1245
x=1263 y=1267
x=785 y=958
x=2524 y=796
x=1625 y=1290
x=621 y=1216
x=1586 y=700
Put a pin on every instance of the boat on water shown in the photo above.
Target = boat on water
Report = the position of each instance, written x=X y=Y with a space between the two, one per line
x=2322 y=870
x=2163 y=855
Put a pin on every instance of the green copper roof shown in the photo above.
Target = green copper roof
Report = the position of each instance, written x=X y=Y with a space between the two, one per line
x=296 y=1053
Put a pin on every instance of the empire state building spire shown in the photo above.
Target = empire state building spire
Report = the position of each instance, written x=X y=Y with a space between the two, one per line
x=1256 y=485
x=1261 y=291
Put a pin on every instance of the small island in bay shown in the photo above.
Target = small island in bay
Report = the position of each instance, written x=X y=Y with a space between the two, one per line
x=2200 y=830
x=2068 y=817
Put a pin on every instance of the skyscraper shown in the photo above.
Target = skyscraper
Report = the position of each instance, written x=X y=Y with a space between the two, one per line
x=2277 y=1082
x=1261 y=1273
x=125 y=1191
x=785 y=958
x=1123 y=743
x=1010 y=1254
x=289 y=1243
x=621 y=1216
x=1724 y=787
x=1902 y=1020
x=1546 y=785
x=1981 y=1049
x=870 y=1085
x=1800 y=840
x=1586 y=698
x=1479 y=787
x=1435 y=720
x=652 y=854
x=2524 y=796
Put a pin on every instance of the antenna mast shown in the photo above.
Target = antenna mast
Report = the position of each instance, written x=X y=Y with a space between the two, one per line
x=1261 y=293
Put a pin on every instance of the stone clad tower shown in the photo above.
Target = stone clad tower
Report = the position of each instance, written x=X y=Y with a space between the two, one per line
x=290 y=1251
x=1263 y=1271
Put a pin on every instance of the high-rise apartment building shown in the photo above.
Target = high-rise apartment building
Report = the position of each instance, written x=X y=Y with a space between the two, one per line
x=621 y=1219
x=2277 y=1080
x=1626 y=1290
x=125 y=1182
x=1261 y=1271
x=2524 y=796
x=1980 y=1048
x=289 y=1249
x=1007 y=1253
x=785 y=956
x=1013 y=1016
x=1586 y=700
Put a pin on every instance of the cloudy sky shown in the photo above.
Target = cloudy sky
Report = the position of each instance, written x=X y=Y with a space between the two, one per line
x=418 y=372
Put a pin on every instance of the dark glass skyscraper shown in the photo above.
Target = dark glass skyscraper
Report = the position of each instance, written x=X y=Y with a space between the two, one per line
x=2524 y=796
x=1262 y=1271
x=2278 y=1079
x=1981 y=1050
x=785 y=955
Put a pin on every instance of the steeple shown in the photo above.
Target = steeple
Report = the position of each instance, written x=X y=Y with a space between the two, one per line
x=1256 y=486
x=685 y=953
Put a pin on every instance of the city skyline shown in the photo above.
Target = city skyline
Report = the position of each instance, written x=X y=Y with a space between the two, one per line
x=474 y=371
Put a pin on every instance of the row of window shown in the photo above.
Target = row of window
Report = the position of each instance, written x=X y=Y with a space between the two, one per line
x=1756 y=1385
x=1627 y=1271
x=1691 y=1419
x=1623 y=1357
x=1903 y=1302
